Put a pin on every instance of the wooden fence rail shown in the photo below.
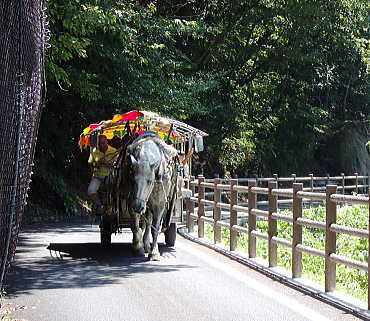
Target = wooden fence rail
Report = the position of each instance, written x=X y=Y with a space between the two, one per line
x=298 y=195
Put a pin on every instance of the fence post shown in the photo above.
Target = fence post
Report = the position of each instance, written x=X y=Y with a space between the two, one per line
x=343 y=182
x=330 y=239
x=233 y=215
x=297 y=232
x=294 y=177
x=311 y=186
x=368 y=255
x=201 y=190
x=216 y=212
x=252 y=203
x=356 y=174
x=272 y=225
x=190 y=207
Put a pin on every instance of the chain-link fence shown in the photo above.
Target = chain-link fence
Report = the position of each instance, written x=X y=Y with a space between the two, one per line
x=22 y=44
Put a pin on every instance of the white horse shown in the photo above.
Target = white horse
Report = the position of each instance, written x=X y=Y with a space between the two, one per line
x=152 y=184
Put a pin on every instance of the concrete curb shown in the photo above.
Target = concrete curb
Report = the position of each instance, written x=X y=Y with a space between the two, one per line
x=280 y=276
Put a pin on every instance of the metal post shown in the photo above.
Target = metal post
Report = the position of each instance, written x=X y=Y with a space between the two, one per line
x=356 y=174
x=201 y=190
x=191 y=207
x=233 y=215
x=297 y=232
x=272 y=223
x=217 y=212
x=252 y=202
x=330 y=239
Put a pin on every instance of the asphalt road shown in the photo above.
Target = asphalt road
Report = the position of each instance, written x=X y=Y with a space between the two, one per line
x=62 y=273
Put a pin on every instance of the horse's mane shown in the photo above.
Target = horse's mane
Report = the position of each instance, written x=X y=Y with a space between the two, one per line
x=168 y=151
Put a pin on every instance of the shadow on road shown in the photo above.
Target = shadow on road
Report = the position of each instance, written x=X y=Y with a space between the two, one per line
x=96 y=251
x=84 y=265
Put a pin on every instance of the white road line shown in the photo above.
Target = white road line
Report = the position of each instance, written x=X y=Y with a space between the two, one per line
x=255 y=285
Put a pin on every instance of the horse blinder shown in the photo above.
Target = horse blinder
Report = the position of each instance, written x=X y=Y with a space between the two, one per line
x=160 y=172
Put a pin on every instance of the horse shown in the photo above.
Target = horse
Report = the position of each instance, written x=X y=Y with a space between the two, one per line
x=152 y=181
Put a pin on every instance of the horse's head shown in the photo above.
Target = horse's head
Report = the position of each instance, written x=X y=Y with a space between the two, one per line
x=146 y=163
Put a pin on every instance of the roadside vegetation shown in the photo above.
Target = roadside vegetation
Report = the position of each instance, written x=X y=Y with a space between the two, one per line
x=270 y=81
x=350 y=281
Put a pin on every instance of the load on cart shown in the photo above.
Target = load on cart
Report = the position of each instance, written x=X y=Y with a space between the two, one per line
x=139 y=160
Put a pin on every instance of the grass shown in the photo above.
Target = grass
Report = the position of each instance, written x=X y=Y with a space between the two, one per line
x=348 y=280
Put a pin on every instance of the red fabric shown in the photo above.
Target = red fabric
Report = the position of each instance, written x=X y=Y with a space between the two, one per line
x=131 y=115
x=93 y=126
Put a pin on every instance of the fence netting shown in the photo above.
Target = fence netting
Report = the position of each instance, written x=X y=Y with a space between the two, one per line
x=23 y=35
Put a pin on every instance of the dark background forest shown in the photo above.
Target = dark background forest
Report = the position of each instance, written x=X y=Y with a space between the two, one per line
x=277 y=84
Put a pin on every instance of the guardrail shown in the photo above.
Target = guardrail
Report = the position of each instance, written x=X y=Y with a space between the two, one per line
x=298 y=194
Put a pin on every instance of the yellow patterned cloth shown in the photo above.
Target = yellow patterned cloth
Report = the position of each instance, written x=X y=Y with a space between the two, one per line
x=96 y=155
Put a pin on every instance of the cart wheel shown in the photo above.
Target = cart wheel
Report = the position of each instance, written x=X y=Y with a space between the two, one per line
x=105 y=233
x=170 y=235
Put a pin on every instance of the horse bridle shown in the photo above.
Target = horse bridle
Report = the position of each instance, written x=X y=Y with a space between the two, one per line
x=131 y=173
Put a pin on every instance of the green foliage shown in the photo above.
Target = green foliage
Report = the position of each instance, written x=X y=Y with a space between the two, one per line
x=349 y=280
x=243 y=151
x=268 y=80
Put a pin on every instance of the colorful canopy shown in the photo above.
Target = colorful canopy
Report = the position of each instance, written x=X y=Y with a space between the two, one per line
x=139 y=122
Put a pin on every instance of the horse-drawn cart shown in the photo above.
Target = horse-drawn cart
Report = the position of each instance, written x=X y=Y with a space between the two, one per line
x=144 y=189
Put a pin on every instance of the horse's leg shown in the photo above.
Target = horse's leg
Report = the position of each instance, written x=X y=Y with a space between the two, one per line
x=146 y=238
x=154 y=254
x=137 y=240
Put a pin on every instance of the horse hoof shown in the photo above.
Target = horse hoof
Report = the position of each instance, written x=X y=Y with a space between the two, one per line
x=154 y=257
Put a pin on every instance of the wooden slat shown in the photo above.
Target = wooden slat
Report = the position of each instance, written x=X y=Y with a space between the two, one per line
x=223 y=187
x=281 y=241
x=311 y=195
x=207 y=202
x=260 y=190
x=282 y=217
x=282 y=192
x=223 y=205
x=240 y=208
x=363 y=200
x=258 y=212
x=207 y=219
x=207 y=185
x=310 y=250
x=223 y=224
x=238 y=228
x=349 y=230
x=260 y=235
x=349 y=262
x=311 y=223
x=240 y=188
